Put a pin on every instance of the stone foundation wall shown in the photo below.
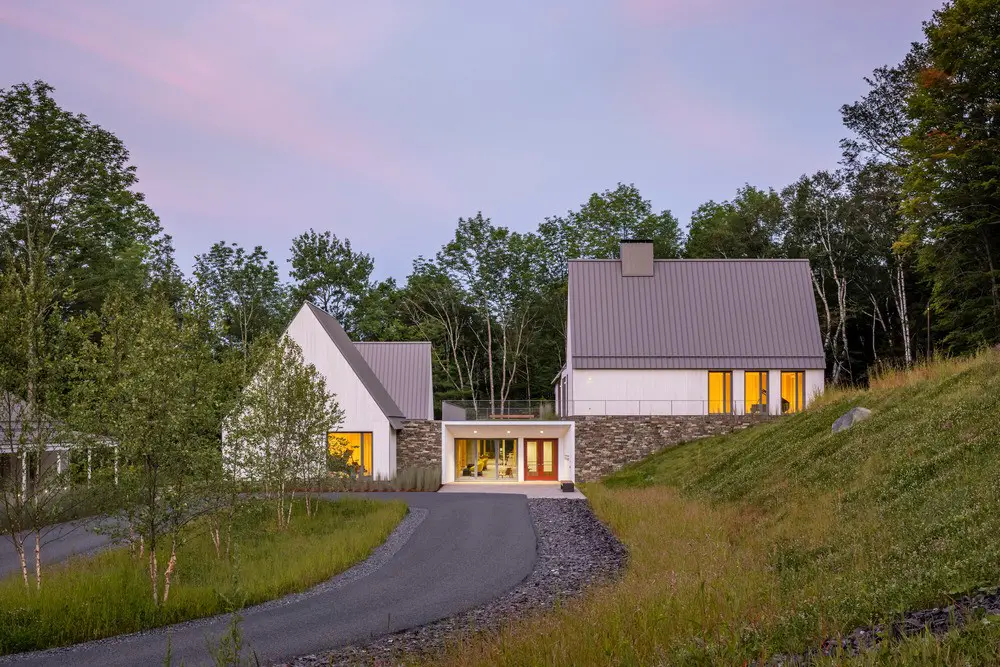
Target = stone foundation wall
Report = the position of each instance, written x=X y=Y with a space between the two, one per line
x=605 y=444
x=418 y=444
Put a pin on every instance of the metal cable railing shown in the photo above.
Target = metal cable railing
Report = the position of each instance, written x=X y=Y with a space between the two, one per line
x=553 y=410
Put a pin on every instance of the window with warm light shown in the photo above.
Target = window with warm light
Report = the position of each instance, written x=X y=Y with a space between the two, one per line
x=720 y=392
x=485 y=459
x=353 y=448
x=755 y=392
x=793 y=391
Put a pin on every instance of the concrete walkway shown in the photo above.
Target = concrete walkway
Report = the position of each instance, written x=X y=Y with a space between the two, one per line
x=526 y=489
x=469 y=549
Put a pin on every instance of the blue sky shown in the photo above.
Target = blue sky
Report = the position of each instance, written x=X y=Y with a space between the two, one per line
x=384 y=122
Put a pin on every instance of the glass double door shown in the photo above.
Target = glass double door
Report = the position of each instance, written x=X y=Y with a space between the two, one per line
x=541 y=459
x=485 y=460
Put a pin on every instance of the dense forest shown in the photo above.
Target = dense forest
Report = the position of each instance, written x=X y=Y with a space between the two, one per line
x=903 y=236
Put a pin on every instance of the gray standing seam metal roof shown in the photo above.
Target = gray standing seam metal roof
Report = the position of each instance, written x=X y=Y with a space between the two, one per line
x=360 y=366
x=725 y=314
x=404 y=369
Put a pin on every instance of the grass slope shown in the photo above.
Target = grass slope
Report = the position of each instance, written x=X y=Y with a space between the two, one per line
x=769 y=540
x=109 y=594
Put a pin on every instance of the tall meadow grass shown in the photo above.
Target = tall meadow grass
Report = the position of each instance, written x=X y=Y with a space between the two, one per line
x=770 y=540
x=110 y=593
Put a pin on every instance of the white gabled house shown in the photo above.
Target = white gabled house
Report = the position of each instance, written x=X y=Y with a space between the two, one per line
x=689 y=337
x=378 y=386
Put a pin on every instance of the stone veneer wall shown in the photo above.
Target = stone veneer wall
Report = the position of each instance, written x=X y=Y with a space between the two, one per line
x=606 y=443
x=418 y=444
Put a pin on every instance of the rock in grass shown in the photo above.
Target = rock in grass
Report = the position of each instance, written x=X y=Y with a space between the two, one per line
x=850 y=418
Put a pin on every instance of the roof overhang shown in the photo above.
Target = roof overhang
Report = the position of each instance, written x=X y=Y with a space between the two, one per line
x=698 y=363
x=503 y=428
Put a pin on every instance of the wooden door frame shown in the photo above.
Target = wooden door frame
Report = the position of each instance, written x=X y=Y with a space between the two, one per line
x=543 y=477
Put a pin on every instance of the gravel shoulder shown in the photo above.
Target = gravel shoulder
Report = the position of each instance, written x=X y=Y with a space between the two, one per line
x=574 y=551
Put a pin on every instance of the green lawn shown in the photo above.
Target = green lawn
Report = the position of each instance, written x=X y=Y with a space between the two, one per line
x=109 y=594
x=769 y=540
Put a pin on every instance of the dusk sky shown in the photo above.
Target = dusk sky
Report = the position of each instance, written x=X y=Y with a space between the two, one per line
x=251 y=121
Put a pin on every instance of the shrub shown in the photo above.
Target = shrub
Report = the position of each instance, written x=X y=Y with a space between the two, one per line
x=407 y=479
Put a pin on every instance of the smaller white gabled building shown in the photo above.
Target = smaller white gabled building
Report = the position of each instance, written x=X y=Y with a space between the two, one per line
x=378 y=386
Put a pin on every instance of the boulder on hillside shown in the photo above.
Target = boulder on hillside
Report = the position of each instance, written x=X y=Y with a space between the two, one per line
x=850 y=418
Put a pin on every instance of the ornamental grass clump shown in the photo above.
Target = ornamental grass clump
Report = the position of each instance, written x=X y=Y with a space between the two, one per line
x=408 y=479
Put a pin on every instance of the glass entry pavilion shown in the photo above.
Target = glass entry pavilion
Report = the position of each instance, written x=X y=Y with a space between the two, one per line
x=500 y=451
x=486 y=460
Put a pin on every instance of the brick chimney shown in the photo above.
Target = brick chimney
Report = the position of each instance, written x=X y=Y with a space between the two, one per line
x=636 y=257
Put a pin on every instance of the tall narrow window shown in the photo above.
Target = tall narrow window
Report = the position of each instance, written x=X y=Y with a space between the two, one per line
x=720 y=392
x=352 y=448
x=793 y=391
x=755 y=392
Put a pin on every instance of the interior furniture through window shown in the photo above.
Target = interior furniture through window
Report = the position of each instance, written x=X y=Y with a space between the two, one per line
x=755 y=392
x=353 y=446
x=485 y=459
x=793 y=391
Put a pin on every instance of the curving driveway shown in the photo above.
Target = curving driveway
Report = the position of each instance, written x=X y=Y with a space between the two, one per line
x=469 y=549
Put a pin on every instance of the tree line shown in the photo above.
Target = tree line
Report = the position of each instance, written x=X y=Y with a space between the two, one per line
x=903 y=236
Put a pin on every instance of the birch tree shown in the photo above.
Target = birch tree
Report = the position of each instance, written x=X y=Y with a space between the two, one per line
x=495 y=268
x=276 y=437
x=439 y=311
x=154 y=392
x=820 y=228
x=38 y=347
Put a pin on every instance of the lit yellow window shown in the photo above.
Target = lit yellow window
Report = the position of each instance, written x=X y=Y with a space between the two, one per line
x=358 y=447
x=793 y=391
x=755 y=392
x=720 y=392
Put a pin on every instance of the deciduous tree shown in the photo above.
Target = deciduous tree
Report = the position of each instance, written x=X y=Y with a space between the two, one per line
x=276 y=436
x=331 y=274
x=952 y=178
x=244 y=290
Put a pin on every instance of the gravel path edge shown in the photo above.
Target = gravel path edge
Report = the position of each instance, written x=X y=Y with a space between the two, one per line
x=574 y=551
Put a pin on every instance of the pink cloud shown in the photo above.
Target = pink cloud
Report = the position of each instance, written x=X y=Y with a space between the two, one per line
x=241 y=87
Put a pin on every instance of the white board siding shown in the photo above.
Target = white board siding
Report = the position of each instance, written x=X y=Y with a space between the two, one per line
x=815 y=384
x=665 y=392
x=774 y=391
x=639 y=392
x=361 y=412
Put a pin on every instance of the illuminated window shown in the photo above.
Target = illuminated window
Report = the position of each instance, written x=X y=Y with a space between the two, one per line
x=755 y=392
x=354 y=449
x=793 y=391
x=482 y=459
x=720 y=392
